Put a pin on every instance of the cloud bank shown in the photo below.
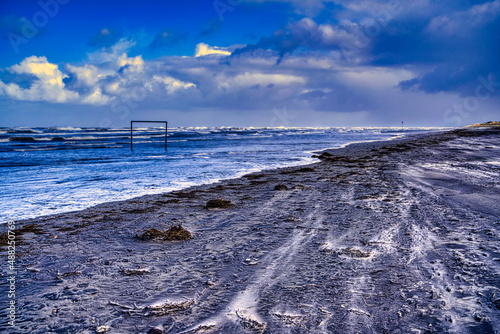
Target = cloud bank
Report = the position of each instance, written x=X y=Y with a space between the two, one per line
x=375 y=62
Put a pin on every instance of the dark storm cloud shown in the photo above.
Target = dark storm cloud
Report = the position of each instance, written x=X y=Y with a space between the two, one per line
x=461 y=47
x=303 y=34
x=457 y=46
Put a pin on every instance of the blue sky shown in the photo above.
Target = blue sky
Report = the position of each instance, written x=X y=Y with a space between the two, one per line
x=249 y=62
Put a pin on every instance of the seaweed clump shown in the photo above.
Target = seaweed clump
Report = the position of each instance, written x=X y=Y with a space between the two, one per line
x=354 y=253
x=33 y=228
x=168 y=308
x=218 y=204
x=172 y=234
x=300 y=170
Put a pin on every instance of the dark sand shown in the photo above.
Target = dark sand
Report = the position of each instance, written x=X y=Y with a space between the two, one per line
x=385 y=237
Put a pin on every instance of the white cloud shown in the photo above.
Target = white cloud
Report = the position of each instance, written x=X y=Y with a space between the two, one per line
x=306 y=83
x=170 y=84
x=94 y=84
x=96 y=98
x=203 y=49
x=111 y=54
x=41 y=68
x=375 y=78
x=133 y=64
x=87 y=75
x=114 y=88
x=49 y=86
x=249 y=79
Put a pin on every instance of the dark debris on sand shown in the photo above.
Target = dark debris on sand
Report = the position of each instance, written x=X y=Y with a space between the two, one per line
x=218 y=204
x=172 y=234
x=29 y=228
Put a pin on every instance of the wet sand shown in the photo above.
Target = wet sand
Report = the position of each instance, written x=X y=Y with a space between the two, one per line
x=399 y=236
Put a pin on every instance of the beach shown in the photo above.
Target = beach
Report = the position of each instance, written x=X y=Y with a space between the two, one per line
x=398 y=236
x=47 y=171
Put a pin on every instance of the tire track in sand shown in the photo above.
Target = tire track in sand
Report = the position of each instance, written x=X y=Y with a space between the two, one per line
x=242 y=310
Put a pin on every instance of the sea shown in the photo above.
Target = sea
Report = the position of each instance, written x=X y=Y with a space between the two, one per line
x=54 y=170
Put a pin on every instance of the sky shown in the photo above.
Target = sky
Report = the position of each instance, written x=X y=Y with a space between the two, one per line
x=265 y=63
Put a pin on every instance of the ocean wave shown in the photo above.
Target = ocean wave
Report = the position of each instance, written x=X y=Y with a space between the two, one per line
x=33 y=150
x=149 y=136
x=143 y=142
x=182 y=134
x=200 y=139
x=29 y=139
x=63 y=148
x=22 y=139
x=65 y=128
x=96 y=129
x=202 y=155
x=85 y=138
x=196 y=128
x=23 y=130
x=47 y=139
x=85 y=133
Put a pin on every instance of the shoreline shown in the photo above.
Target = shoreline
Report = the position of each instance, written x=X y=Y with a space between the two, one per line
x=313 y=153
x=396 y=236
